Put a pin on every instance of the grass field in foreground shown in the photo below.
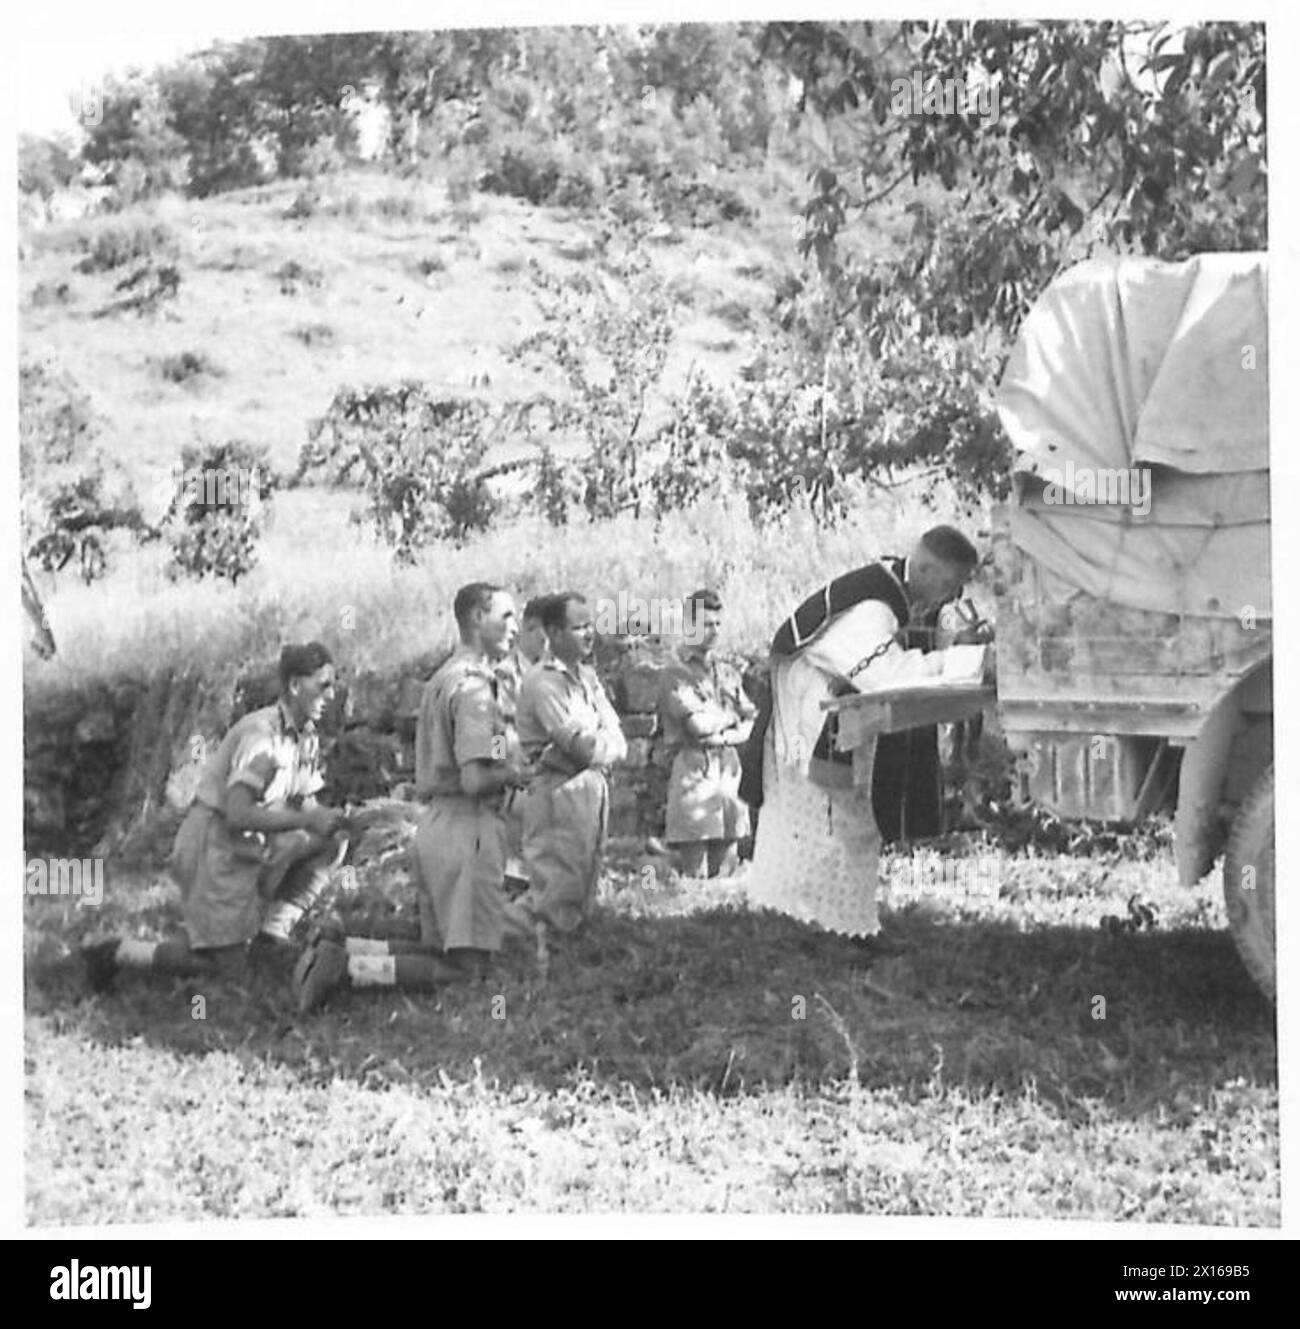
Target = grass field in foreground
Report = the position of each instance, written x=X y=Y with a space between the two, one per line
x=659 y=1065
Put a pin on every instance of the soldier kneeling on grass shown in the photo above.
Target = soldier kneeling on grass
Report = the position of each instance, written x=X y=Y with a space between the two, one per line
x=256 y=849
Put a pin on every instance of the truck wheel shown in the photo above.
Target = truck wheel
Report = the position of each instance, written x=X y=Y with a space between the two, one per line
x=1248 y=871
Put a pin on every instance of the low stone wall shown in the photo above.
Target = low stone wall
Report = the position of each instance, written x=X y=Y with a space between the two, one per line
x=111 y=770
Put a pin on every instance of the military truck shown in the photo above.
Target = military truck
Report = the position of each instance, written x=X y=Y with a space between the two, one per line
x=1132 y=567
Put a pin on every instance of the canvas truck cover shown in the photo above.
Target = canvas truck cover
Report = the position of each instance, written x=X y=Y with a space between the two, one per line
x=1134 y=363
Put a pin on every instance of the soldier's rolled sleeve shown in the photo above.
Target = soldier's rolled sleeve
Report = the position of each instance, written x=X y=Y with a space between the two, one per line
x=682 y=706
x=253 y=764
x=475 y=729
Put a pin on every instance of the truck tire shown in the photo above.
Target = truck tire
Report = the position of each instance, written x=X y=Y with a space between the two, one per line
x=1248 y=872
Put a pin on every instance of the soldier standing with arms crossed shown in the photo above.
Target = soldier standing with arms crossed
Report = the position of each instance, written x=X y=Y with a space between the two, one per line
x=706 y=715
x=570 y=735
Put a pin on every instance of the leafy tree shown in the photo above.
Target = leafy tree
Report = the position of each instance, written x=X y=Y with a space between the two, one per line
x=46 y=164
x=1128 y=136
x=214 y=518
x=417 y=458
x=141 y=152
x=73 y=494
x=607 y=334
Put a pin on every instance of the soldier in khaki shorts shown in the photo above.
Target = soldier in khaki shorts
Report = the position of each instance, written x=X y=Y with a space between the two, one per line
x=706 y=716
x=464 y=768
x=254 y=852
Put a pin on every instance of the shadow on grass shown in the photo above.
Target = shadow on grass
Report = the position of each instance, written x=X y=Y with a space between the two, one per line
x=731 y=1001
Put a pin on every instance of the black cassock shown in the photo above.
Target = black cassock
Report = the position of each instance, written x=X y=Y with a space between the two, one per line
x=907 y=780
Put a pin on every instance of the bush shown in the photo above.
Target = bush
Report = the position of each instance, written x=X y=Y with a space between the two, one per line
x=56 y=423
x=77 y=518
x=417 y=457
x=522 y=173
x=305 y=204
x=118 y=243
x=215 y=514
x=314 y=334
x=51 y=293
x=188 y=365
x=292 y=275
x=73 y=494
x=396 y=207
x=46 y=165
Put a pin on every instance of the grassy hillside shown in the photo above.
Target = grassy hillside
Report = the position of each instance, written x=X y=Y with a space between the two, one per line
x=400 y=282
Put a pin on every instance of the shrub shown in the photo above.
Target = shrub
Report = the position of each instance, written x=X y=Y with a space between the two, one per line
x=215 y=514
x=417 y=458
x=73 y=494
x=396 y=207
x=188 y=365
x=46 y=165
x=314 y=334
x=348 y=207
x=305 y=204
x=522 y=173
x=50 y=293
x=292 y=275
x=77 y=518
x=56 y=423
x=127 y=242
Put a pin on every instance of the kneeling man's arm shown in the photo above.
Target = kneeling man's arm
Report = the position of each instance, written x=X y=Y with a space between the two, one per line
x=244 y=813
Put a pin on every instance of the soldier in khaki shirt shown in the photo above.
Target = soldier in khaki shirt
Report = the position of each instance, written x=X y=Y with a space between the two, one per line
x=463 y=770
x=256 y=848
x=706 y=715
x=570 y=734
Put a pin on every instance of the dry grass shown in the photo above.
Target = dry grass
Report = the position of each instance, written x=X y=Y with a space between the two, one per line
x=320 y=576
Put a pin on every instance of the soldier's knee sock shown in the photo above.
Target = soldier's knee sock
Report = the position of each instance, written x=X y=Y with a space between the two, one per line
x=386 y=946
x=414 y=972
x=371 y=971
x=132 y=954
x=284 y=915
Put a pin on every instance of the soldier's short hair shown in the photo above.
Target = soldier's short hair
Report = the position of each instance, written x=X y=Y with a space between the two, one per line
x=535 y=609
x=950 y=545
x=696 y=603
x=704 y=599
x=555 y=610
x=476 y=596
x=300 y=661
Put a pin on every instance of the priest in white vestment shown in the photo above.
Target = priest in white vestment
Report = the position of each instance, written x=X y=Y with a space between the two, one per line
x=817 y=847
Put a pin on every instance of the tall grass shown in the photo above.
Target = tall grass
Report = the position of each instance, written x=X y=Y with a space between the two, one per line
x=321 y=576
